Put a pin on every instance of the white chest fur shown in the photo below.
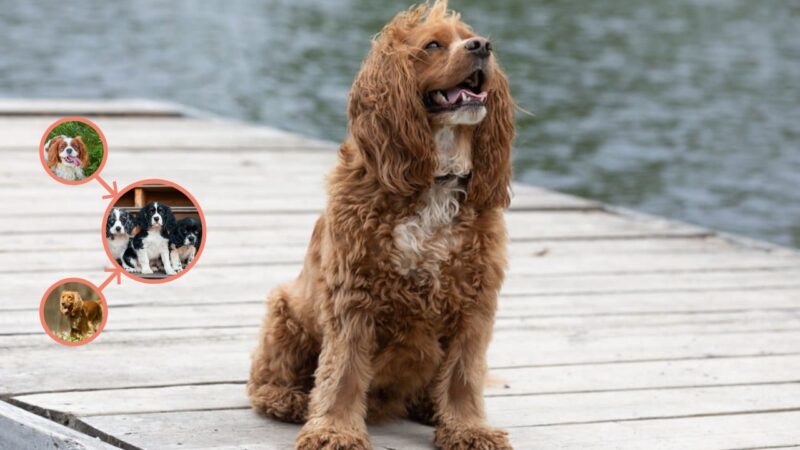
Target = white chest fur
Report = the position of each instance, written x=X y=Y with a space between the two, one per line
x=68 y=172
x=117 y=244
x=425 y=239
x=155 y=244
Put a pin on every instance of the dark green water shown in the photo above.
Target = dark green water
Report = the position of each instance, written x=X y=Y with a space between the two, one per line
x=683 y=108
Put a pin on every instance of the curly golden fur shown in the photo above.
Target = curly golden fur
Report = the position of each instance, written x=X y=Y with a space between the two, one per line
x=393 y=311
x=83 y=315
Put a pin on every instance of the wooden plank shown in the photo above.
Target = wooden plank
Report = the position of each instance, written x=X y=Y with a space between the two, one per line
x=178 y=316
x=309 y=198
x=523 y=226
x=531 y=396
x=59 y=107
x=174 y=133
x=187 y=356
x=242 y=252
x=254 y=283
x=739 y=431
x=503 y=411
x=170 y=431
x=243 y=428
x=20 y=429
x=632 y=304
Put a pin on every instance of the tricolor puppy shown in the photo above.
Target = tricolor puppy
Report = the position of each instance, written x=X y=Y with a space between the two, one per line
x=184 y=242
x=66 y=156
x=119 y=227
x=152 y=242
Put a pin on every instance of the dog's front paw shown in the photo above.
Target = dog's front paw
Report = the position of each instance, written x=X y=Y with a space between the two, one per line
x=178 y=268
x=146 y=271
x=329 y=438
x=471 y=438
x=169 y=272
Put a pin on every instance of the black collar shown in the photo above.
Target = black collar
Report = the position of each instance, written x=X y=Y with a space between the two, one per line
x=443 y=179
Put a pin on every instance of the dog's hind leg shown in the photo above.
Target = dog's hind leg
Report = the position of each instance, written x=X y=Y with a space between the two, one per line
x=282 y=371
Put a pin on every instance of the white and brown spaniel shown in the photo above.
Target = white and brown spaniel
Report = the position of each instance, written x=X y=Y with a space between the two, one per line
x=66 y=157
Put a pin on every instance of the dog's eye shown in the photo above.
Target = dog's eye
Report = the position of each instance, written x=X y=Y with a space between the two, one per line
x=432 y=45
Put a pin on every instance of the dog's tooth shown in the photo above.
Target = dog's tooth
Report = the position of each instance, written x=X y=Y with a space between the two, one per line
x=440 y=98
x=463 y=96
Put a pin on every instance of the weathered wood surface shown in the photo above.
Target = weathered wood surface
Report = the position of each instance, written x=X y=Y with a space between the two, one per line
x=614 y=330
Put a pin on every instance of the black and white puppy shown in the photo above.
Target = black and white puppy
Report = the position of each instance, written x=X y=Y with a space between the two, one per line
x=119 y=227
x=152 y=242
x=184 y=242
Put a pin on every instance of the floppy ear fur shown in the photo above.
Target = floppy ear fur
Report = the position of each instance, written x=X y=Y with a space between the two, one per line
x=52 y=151
x=491 y=148
x=388 y=120
x=83 y=153
x=169 y=222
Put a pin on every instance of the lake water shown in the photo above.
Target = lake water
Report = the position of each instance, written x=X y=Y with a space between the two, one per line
x=683 y=108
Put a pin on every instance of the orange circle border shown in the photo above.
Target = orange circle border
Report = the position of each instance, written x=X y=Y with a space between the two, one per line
x=86 y=122
x=50 y=332
x=185 y=192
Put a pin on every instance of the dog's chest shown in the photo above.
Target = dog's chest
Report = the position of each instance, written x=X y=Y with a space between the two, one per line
x=68 y=172
x=184 y=252
x=154 y=244
x=117 y=245
x=428 y=237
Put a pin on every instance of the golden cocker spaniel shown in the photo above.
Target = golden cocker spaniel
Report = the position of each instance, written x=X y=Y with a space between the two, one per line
x=392 y=313
x=83 y=315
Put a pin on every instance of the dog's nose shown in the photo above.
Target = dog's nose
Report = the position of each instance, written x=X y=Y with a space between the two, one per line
x=192 y=238
x=480 y=47
x=155 y=219
x=118 y=228
x=69 y=151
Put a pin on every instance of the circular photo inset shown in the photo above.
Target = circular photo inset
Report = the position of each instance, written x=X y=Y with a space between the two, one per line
x=154 y=230
x=73 y=150
x=73 y=312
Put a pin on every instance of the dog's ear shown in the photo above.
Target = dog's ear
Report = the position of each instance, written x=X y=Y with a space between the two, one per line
x=129 y=224
x=83 y=153
x=52 y=151
x=388 y=121
x=141 y=218
x=77 y=304
x=169 y=222
x=490 y=184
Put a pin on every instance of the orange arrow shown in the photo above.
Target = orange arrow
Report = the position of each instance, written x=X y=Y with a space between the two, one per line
x=112 y=192
x=115 y=272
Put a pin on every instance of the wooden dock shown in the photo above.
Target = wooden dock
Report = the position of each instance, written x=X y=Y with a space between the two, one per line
x=615 y=330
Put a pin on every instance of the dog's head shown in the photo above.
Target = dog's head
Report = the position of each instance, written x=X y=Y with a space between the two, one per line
x=119 y=222
x=187 y=232
x=156 y=216
x=67 y=150
x=427 y=70
x=70 y=303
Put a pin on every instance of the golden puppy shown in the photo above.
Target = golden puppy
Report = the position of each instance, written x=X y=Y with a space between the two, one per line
x=393 y=311
x=83 y=315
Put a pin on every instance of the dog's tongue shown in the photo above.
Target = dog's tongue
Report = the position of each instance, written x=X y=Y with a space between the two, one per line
x=73 y=160
x=64 y=310
x=456 y=93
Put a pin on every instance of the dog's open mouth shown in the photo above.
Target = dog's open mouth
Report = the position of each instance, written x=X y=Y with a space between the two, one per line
x=72 y=160
x=467 y=93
